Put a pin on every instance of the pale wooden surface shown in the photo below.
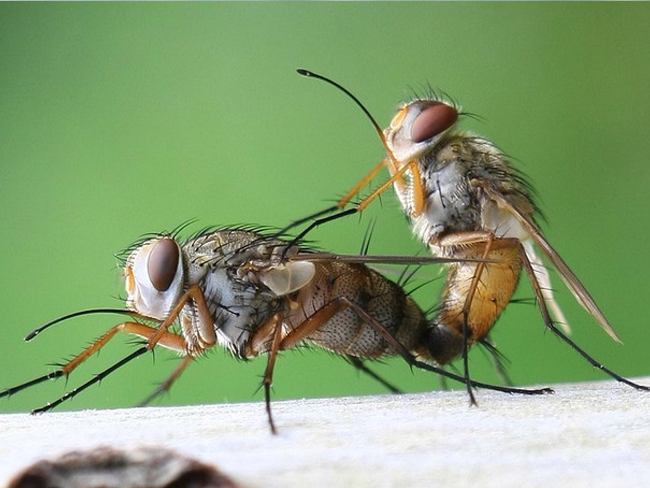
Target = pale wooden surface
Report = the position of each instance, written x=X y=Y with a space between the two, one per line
x=585 y=435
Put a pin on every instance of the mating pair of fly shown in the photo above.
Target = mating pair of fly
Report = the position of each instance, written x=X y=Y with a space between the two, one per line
x=259 y=293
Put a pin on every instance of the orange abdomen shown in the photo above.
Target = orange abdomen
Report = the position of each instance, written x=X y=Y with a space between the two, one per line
x=496 y=285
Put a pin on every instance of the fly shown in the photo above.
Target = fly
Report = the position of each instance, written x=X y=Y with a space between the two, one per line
x=464 y=200
x=255 y=294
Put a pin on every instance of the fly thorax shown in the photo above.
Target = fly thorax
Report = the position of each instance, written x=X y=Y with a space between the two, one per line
x=237 y=308
x=450 y=204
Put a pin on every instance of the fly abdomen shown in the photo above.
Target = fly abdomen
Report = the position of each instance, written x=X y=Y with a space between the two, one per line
x=495 y=284
x=361 y=304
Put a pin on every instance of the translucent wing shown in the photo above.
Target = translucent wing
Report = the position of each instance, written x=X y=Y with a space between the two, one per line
x=380 y=259
x=287 y=278
x=570 y=279
x=544 y=280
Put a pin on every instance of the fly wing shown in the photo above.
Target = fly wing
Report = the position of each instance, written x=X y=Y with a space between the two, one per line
x=287 y=278
x=544 y=280
x=570 y=279
x=381 y=259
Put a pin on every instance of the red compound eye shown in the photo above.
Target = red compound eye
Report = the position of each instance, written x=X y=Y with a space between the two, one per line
x=162 y=264
x=432 y=121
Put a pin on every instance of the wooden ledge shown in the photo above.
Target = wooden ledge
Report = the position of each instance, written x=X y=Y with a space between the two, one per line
x=585 y=435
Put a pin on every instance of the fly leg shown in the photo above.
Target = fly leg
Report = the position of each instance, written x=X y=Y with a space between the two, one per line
x=469 y=239
x=208 y=336
x=67 y=368
x=273 y=326
x=358 y=363
x=311 y=324
x=549 y=323
x=169 y=340
x=418 y=199
x=480 y=267
x=167 y=384
x=475 y=293
x=396 y=168
x=497 y=360
x=154 y=336
x=339 y=205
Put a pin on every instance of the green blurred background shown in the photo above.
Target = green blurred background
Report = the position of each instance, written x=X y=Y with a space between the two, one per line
x=118 y=120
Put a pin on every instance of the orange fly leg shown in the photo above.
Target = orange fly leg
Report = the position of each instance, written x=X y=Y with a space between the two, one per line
x=419 y=196
x=466 y=310
x=311 y=324
x=167 y=339
x=391 y=162
x=207 y=333
x=418 y=191
x=135 y=328
x=476 y=279
x=418 y=200
x=486 y=286
x=177 y=343
x=363 y=182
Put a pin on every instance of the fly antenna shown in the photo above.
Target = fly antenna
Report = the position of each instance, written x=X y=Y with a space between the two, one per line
x=40 y=329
